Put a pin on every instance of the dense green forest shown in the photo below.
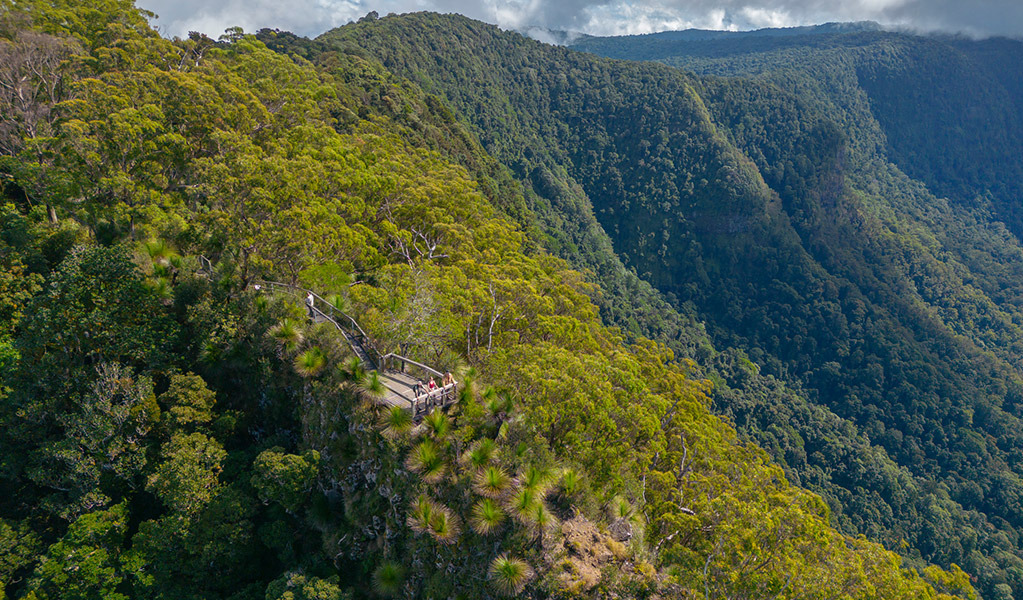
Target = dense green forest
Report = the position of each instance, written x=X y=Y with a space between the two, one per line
x=172 y=431
x=868 y=323
x=944 y=111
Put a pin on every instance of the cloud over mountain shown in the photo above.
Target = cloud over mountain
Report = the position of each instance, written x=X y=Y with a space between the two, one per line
x=607 y=17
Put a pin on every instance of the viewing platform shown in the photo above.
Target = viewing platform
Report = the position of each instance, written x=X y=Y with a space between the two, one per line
x=397 y=373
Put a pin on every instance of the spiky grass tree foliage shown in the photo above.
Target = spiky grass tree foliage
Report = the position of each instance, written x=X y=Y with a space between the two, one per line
x=426 y=459
x=498 y=404
x=162 y=269
x=419 y=516
x=537 y=479
x=539 y=519
x=434 y=519
x=162 y=288
x=521 y=505
x=479 y=455
x=571 y=482
x=158 y=251
x=397 y=423
x=444 y=526
x=373 y=385
x=486 y=516
x=353 y=371
x=619 y=508
x=491 y=482
x=387 y=579
x=288 y=333
x=509 y=575
x=337 y=301
x=437 y=424
x=311 y=362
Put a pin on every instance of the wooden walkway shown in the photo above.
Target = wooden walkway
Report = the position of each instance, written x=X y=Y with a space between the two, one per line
x=395 y=372
x=402 y=389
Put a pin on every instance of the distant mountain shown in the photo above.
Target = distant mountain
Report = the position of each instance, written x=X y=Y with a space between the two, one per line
x=838 y=204
x=582 y=40
x=949 y=108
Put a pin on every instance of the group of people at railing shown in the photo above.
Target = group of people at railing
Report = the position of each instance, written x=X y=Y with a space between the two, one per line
x=433 y=394
x=429 y=392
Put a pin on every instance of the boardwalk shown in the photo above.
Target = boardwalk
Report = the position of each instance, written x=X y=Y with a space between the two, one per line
x=395 y=372
x=402 y=388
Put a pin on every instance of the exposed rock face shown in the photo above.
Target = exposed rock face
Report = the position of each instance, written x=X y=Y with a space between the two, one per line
x=587 y=553
x=621 y=530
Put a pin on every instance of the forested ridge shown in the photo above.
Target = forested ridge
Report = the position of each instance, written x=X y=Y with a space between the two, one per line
x=945 y=111
x=882 y=315
x=170 y=430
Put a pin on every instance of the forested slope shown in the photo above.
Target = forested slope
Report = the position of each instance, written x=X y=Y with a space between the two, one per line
x=168 y=431
x=769 y=209
x=946 y=109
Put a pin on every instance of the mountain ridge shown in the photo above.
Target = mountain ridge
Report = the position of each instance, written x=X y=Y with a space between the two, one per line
x=824 y=196
x=481 y=203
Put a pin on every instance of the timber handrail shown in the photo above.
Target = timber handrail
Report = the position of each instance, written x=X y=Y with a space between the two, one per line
x=387 y=357
x=441 y=396
x=333 y=314
x=423 y=399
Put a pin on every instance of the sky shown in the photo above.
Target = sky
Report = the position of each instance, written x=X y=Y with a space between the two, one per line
x=595 y=17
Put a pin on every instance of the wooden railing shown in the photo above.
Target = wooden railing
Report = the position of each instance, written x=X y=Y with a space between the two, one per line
x=386 y=359
x=442 y=396
x=339 y=318
x=422 y=402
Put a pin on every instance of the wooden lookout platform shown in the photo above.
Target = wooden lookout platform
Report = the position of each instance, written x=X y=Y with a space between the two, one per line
x=397 y=373
x=406 y=391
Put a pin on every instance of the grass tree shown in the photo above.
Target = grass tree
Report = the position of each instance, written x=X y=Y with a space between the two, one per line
x=288 y=333
x=487 y=516
x=437 y=424
x=162 y=289
x=479 y=455
x=528 y=508
x=311 y=362
x=499 y=405
x=419 y=516
x=397 y=423
x=540 y=518
x=427 y=460
x=444 y=526
x=373 y=385
x=509 y=575
x=571 y=482
x=388 y=578
x=522 y=505
x=537 y=479
x=491 y=482
x=159 y=251
x=619 y=508
x=352 y=370
x=434 y=519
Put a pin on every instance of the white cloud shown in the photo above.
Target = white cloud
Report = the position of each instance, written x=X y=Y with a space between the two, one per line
x=600 y=17
x=765 y=17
